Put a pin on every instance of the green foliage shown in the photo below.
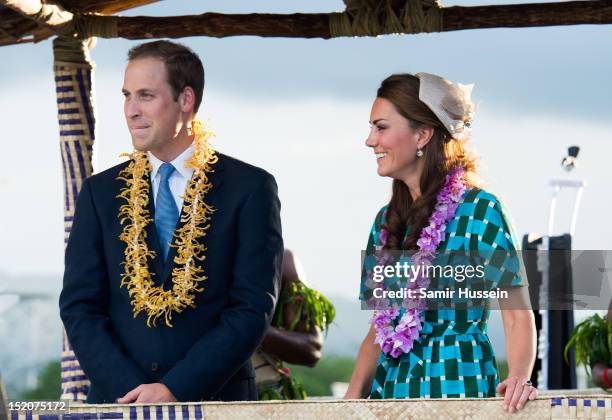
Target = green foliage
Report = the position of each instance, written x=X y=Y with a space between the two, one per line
x=502 y=369
x=591 y=340
x=270 y=394
x=49 y=384
x=312 y=307
x=317 y=380
x=290 y=389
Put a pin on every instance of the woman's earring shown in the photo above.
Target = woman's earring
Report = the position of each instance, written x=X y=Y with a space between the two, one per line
x=419 y=152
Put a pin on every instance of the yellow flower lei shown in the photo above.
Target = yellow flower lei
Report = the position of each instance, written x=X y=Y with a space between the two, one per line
x=155 y=301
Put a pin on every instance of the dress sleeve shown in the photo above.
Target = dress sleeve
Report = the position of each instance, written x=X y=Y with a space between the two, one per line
x=492 y=236
x=367 y=256
x=374 y=237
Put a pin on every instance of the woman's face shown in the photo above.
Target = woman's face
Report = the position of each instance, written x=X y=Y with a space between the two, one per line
x=393 y=141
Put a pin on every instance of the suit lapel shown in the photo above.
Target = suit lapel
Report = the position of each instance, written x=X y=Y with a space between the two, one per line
x=216 y=181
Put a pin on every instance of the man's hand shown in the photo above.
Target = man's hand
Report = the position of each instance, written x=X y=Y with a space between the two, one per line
x=148 y=393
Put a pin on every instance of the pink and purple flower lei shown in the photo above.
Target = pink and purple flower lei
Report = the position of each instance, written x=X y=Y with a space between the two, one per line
x=399 y=339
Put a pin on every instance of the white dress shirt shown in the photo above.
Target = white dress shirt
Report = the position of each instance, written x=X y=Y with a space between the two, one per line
x=179 y=178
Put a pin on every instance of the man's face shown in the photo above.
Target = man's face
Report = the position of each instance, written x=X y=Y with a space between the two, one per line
x=152 y=115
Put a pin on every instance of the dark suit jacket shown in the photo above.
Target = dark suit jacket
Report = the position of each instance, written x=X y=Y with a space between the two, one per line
x=205 y=355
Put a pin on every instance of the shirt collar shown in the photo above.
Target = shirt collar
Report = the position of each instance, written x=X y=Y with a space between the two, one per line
x=179 y=163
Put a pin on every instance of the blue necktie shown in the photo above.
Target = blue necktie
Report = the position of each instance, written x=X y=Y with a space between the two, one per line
x=166 y=213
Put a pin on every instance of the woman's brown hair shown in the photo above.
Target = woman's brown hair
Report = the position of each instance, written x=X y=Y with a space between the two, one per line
x=440 y=155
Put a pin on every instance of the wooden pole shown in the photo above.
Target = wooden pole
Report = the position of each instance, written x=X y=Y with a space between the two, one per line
x=73 y=85
x=4 y=409
x=315 y=25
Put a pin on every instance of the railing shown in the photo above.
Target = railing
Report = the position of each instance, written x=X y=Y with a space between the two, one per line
x=547 y=407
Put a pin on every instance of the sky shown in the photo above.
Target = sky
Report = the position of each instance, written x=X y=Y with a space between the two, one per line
x=300 y=109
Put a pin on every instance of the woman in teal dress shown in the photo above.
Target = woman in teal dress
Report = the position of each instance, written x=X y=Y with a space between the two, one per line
x=419 y=129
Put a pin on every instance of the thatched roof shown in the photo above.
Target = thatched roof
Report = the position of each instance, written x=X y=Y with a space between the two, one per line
x=23 y=21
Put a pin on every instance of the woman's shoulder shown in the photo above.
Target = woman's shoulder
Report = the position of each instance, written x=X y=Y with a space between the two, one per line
x=474 y=195
x=379 y=220
x=376 y=229
x=479 y=204
x=382 y=214
x=484 y=211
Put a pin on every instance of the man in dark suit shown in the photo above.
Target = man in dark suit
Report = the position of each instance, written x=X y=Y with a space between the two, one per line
x=198 y=343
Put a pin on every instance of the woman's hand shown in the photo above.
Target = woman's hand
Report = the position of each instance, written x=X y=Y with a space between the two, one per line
x=520 y=331
x=365 y=366
x=517 y=391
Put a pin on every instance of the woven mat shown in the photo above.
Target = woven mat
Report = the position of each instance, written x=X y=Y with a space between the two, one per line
x=549 y=407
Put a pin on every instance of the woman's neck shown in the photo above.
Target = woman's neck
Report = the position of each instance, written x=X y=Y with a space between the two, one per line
x=413 y=181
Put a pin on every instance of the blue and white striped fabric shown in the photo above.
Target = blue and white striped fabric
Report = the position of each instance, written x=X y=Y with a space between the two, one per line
x=596 y=407
x=73 y=85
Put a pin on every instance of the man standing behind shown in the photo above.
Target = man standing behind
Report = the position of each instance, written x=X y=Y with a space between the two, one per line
x=173 y=263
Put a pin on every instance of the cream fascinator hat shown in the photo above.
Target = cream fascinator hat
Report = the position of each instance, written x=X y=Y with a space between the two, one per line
x=450 y=102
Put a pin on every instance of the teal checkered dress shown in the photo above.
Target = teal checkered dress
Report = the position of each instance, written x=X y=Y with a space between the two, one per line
x=453 y=357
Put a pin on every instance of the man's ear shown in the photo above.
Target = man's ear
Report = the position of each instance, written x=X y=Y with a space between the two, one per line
x=187 y=99
x=424 y=136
